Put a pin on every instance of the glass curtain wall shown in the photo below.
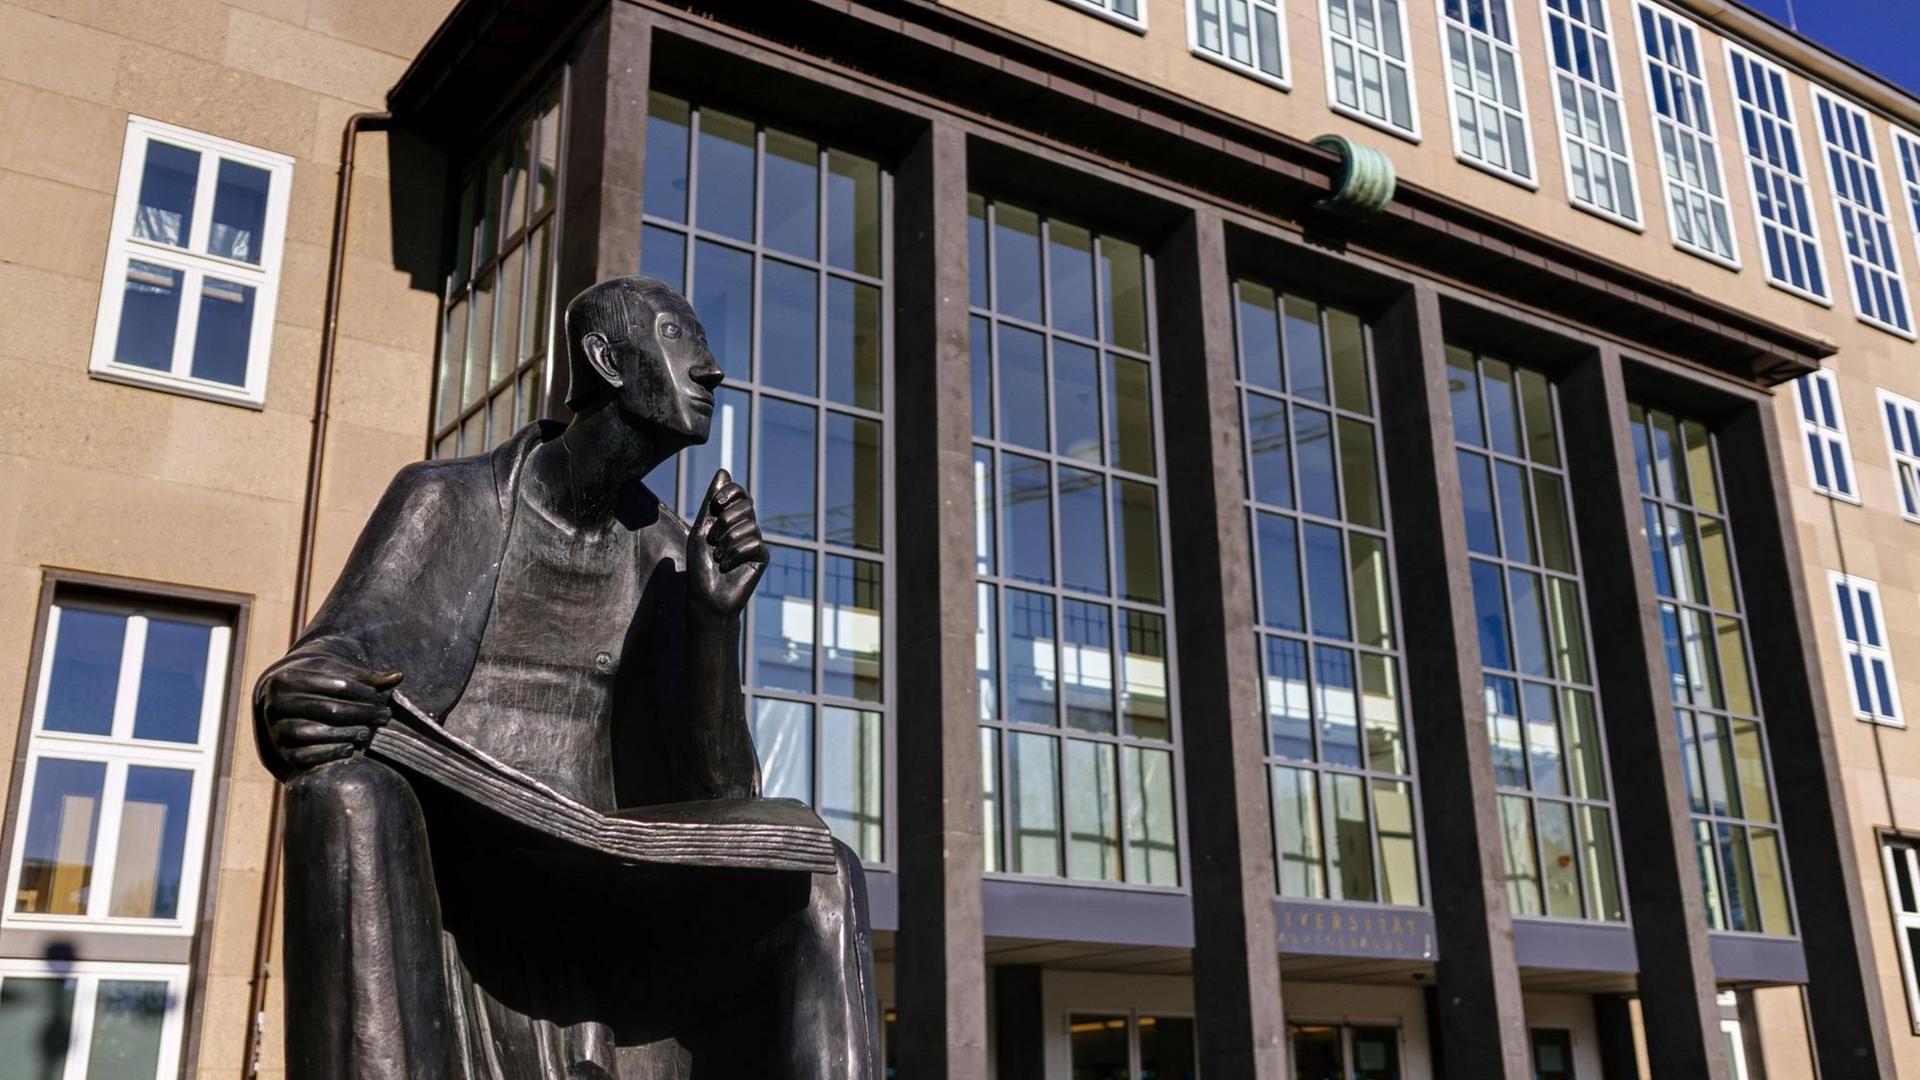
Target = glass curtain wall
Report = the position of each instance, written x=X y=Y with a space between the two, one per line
x=780 y=244
x=1543 y=716
x=498 y=304
x=1077 y=724
x=1722 y=740
x=1338 y=759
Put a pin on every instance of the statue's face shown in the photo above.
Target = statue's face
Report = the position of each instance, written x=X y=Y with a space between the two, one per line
x=667 y=384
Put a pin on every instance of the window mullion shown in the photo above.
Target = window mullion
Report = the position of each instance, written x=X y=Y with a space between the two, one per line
x=192 y=281
x=133 y=659
x=204 y=188
x=79 y=1046
x=106 y=847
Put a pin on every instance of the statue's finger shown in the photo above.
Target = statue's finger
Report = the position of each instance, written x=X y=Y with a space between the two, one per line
x=383 y=680
x=314 y=733
x=753 y=551
x=740 y=508
x=734 y=535
x=305 y=757
x=330 y=710
x=708 y=504
x=296 y=681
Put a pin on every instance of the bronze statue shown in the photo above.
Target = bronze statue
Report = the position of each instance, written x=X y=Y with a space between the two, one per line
x=549 y=614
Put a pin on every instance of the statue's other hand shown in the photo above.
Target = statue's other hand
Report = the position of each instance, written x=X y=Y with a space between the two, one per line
x=320 y=709
x=725 y=555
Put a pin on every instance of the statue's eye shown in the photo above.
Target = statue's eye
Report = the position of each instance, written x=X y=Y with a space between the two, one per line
x=670 y=330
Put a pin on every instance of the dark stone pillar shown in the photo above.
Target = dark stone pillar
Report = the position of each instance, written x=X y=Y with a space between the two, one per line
x=1664 y=898
x=1236 y=964
x=605 y=162
x=1019 y=1023
x=1480 y=1030
x=940 y=968
x=1845 y=1009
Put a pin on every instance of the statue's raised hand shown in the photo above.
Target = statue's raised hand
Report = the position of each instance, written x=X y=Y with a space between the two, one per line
x=319 y=708
x=725 y=555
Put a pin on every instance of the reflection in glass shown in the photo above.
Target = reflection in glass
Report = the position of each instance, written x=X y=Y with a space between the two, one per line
x=220 y=341
x=1259 y=336
x=36 y=1024
x=1143 y=692
x=986 y=649
x=727 y=447
x=723 y=294
x=1296 y=830
x=1313 y=452
x=1086 y=665
x=1326 y=581
x=1289 y=717
x=168 y=184
x=787 y=477
x=1027 y=518
x=1097 y=1047
x=1347 y=348
x=1561 y=869
x=1271 y=474
x=853 y=482
x=1350 y=853
x=789 y=326
x=990 y=800
x=979 y=338
x=853 y=213
x=85 y=672
x=1083 y=530
x=983 y=528
x=1129 y=415
x=1070 y=277
x=1093 y=822
x=1123 y=294
x=1277 y=550
x=1372 y=599
x=63 y=822
x=1136 y=541
x=783 y=622
x=783 y=735
x=239 y=212
x=725 y=200
x=1359 y=482
x=1516 y=522
x=1076 y=402
x=853 y=345
x=1016 y=263
x=663 y=255
x=1339 y=705
x=128 y=1015
x=1380 y=711
x=1476 y=494
x=1306 y=353
x=1516 y=841
x=1399 y=855
x=153 y=843
x=149 y=314
x=1030 y=662
x=1504 y=733
x=790 y=219
x=1153 y=848
x=1034 y=803
x=1021 y=364
x=1770 y=881
x=851 y=775
x=1601 y=873
x=850 y=637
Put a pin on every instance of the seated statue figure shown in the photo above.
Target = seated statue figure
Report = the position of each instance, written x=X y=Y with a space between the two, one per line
x=542 y=605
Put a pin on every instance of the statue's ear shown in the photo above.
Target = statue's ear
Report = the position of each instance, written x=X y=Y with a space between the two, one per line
x=595 y=344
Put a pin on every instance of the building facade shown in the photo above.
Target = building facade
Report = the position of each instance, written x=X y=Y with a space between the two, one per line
x=1310 y=538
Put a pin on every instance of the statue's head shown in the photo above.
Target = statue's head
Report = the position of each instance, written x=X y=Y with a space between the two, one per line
x=634 y=344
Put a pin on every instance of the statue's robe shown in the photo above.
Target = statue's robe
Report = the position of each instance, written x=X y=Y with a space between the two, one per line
x=478 y=958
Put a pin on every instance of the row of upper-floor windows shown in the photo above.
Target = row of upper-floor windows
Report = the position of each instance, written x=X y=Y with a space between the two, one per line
x=1366 y=50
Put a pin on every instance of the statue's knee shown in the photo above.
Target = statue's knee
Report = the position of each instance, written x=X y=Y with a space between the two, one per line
x=356 y=788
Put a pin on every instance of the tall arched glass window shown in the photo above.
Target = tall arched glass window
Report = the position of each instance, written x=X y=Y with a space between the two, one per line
x=780 y=244
x=1078 y=727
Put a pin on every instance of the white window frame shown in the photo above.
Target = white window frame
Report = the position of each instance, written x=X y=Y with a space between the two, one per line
x=87 y=976
x=1869 y=207
x=1327 y=37
x=1900 y=418
x=1906 y=158
x=119 y=751
x=1251 y=70
x=1569 y=138
x=1530 y=179
x=1823 y=429
x=1904 y=850
x=1102 y=9
x=1703 y=133
x=194 y=264
x=1849 y=595
x=1811 y=237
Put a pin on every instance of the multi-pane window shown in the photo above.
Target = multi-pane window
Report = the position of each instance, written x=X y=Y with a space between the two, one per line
x=1249 y=36
x=1863 y=641
x=1906 y=148
x=1131 y=14
x=1543 y=715
x=1131 y=1046
x=497 y=331
x=111 y=832
x=780 y=244
x=1722 y=740
x=1339 y=765
x=1593 y=125
x=1825 y=431
x=193 y=264
x=1369 y=75
x=1900 y=860
x=1683 y=127
x=1351 y=1052
x=1077 y=722
x=1487 y=96
x=1778 y=174
x=1902 y=416
x=88 y=1019
x=1866 y=223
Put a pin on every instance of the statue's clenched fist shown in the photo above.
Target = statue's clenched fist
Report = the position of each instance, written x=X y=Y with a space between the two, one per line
x=725 y=555
x=320 y=709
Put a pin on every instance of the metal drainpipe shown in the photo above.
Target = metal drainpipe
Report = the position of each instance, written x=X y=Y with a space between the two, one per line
x=303 y=570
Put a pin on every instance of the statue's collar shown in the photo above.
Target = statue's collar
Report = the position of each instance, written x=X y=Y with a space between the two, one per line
x=511 y=456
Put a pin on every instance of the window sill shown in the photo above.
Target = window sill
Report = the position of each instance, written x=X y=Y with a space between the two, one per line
x=1805 y=294
x=1278 y=82
x=1715 y=258
x=172 y=384
x=1887 y=328
x=1375 y=122
x=1882 y=721
x=1509 y=176
x=1603 y=214
x=79 y=924
x=1138 y=26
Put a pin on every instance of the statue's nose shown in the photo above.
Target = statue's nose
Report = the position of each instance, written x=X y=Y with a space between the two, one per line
x=707 y=373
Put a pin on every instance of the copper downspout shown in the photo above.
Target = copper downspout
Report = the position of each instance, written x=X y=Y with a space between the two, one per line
x=303 y=570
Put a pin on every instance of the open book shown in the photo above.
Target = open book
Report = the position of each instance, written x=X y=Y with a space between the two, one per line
x=744 y=834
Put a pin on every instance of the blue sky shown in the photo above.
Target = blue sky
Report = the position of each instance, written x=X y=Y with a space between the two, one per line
x=1882 y=36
